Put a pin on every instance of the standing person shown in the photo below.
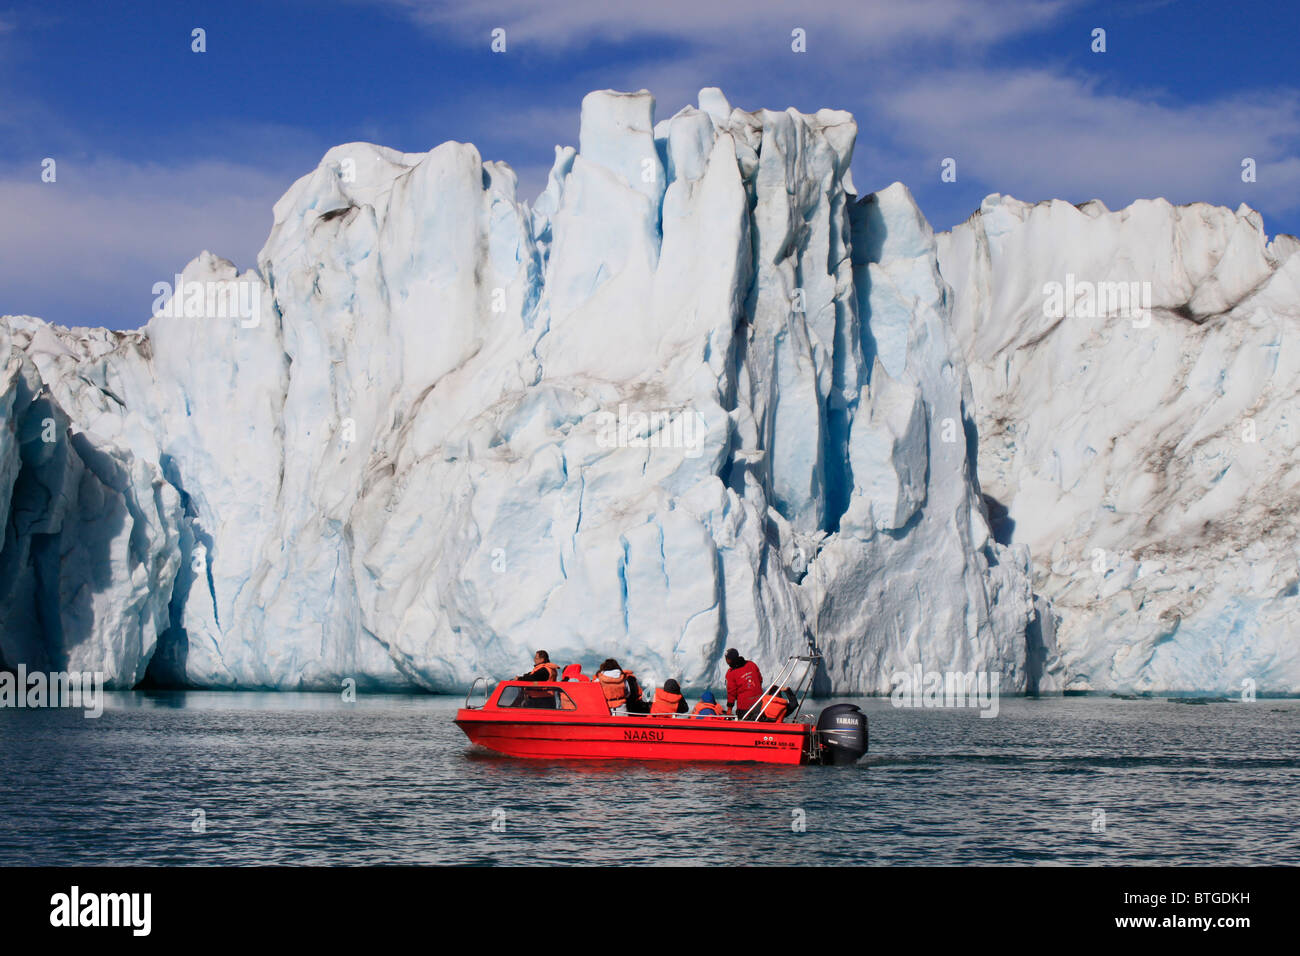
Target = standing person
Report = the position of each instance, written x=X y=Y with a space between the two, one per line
x=744 y=682
x=543 y=669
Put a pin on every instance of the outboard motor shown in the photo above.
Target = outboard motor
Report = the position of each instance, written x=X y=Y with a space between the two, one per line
x=842 y=731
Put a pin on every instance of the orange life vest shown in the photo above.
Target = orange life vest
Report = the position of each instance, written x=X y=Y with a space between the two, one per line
x=615 y=688
x=774 y=707
x=706 y=710
x=552 y=670
x=665 y=702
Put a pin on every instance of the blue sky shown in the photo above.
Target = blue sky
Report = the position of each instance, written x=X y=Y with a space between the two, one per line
x=162 y=152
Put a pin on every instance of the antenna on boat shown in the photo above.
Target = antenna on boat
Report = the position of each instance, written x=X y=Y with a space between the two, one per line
x=811 y=661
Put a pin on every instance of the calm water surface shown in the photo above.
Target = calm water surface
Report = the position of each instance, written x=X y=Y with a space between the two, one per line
x=307 y=778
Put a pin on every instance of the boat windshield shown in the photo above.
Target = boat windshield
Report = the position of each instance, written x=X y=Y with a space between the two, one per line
x=544 y=698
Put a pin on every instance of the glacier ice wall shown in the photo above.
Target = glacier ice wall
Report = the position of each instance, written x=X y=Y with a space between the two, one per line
x=1149 y=458
x=697 y=395
x=91 y=541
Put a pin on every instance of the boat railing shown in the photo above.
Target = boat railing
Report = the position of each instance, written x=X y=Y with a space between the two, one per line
x=731 y=717
x=802 y=686
x=487 y=691
x=783 y=679
x=799 y=718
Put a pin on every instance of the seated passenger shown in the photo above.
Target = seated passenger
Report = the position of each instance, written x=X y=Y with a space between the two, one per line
x=621 y=690
x=574 y=672
x=668 y=699
x=708 y=706
x=636 y=704
x=774 y=705
x=543 y=669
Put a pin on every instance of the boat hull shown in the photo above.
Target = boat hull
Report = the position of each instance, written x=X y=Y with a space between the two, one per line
x=633 y=737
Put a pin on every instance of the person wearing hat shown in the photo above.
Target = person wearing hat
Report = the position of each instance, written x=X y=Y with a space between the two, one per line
x=668 y=699
x=744 y=683
x=708 y=706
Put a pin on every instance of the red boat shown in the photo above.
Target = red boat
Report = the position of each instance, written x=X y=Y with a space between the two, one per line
x=572 y=720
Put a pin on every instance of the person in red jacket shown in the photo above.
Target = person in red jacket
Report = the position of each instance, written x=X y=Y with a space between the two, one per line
x=744 y=683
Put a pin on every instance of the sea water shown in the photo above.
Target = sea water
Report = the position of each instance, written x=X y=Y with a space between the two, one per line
x=288 y=778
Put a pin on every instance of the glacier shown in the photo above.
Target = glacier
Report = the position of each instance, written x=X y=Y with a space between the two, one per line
x=1148 y=457
x=700 y=393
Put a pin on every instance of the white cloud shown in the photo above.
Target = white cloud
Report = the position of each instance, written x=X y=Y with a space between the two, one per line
x=869 y=24
x=91 y=245
x=1039 y=134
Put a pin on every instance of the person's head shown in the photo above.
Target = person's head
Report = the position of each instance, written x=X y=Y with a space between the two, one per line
x=672 y=686
x=708 y=698
x=733 y=657
x=610 y=665
x=541 y=657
